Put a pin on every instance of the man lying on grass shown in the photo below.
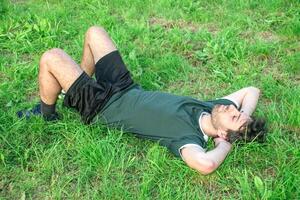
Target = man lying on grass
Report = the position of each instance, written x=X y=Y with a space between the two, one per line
x=182 y=124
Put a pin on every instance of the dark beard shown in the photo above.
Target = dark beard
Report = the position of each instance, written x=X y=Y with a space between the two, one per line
x=214 y=114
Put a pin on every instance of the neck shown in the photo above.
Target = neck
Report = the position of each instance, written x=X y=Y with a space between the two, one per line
x=207 y=126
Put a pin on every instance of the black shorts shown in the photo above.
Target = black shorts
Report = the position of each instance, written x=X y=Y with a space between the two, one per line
x=88 y=96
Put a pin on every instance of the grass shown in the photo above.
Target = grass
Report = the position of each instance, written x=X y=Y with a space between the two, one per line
x=197 y=48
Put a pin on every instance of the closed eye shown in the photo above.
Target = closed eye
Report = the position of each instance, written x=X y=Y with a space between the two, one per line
x=242 y=128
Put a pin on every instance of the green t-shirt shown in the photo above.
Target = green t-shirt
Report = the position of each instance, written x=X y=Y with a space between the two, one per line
x=170 y=119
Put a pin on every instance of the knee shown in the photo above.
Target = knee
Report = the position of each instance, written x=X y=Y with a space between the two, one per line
x=51 y=55
x=94 y=32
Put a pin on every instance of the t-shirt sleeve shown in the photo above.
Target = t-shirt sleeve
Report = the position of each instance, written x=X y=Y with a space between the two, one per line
x=176 y=145
x=224 y=101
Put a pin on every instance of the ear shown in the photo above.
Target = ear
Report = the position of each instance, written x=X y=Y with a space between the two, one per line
x=221 y=133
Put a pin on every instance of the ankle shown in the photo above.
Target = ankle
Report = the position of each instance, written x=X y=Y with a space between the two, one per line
x=47 y=109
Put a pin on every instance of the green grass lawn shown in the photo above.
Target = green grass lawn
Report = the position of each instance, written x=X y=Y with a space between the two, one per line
x=196 y=48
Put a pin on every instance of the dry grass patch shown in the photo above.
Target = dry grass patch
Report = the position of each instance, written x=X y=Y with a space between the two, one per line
x=182 y=24
x=268 y=36
x=276 y=72
x=32 y=95
x=4 y=77
x=248 y=35
x=18 y=1
x=269 y=172
x=275 y=67
x=190 y=52
x=271 y=65
x=200 y=85
x=170 y=24
x=265 y=36
x=292 y=131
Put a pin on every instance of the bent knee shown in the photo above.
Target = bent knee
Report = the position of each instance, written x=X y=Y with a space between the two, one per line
x=95 y=28
x=51 y=55
x=94 y=32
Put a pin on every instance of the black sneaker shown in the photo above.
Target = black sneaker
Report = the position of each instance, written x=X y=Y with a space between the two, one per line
x=36 y=111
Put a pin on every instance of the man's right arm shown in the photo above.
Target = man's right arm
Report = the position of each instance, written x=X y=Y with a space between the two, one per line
x=246 y=98
x=206 y=162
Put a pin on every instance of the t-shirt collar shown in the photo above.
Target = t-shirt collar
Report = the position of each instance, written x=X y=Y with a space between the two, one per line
x=204 y=135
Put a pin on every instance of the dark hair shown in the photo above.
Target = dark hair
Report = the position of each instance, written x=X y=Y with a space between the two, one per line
x=256 y=130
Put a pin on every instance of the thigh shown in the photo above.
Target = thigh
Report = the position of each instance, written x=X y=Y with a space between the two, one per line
x=61 y=66
x=99 y=42
x=111 y=68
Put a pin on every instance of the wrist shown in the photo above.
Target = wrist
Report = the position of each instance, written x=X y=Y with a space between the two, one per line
x=219 y=140
x=244 y=112
x=225 y=144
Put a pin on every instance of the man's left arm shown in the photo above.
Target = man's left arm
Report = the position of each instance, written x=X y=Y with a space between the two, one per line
x=206 y=162
x=246 y=99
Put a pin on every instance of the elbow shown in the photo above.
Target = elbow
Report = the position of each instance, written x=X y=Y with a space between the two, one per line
x=207 y=167
x=254 y=89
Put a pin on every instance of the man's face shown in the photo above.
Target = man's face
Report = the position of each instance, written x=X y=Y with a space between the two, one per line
x=228 y=119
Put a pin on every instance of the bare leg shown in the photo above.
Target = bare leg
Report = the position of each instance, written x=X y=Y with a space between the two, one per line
x=97 y=44
x=57 y=71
